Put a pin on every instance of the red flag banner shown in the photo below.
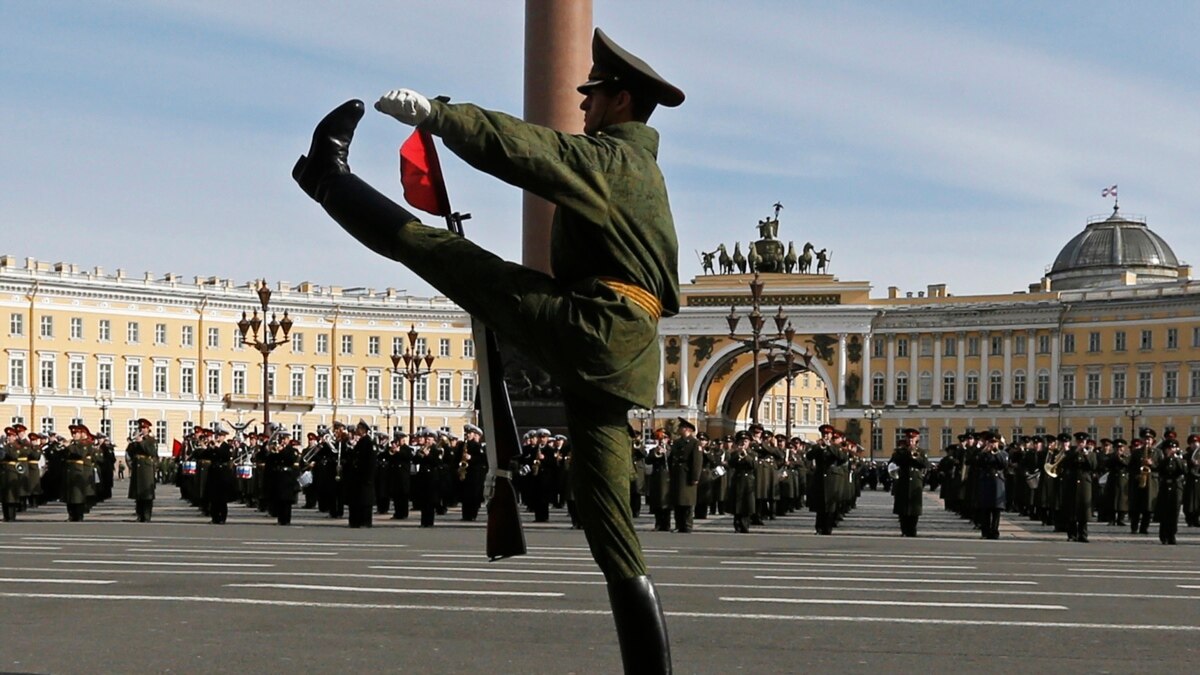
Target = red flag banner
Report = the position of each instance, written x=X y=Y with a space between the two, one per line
x=421 y=175
x=176 y=448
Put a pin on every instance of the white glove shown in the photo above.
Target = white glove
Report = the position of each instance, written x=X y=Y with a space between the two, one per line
x=405 y=105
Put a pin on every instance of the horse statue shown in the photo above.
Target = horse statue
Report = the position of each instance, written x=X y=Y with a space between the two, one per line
x=806 y=258
x=789 y=260
x=738 y=258
x=754 y=258
x=823 y=261
x=723 y=260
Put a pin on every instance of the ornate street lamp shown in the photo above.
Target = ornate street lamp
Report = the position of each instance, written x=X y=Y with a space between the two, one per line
x=389 y=411
x=755 y=342
x=1133 y=413
x=411 y=371
x=104 y=402
x=787 y=360
x=872 y=415
x=271 y=338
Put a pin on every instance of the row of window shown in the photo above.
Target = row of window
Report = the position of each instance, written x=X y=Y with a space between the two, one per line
x=812 y=412
x=47 y=378
x=1092 y=386
x=133 y=335
x=948 y=436
x=994 y=344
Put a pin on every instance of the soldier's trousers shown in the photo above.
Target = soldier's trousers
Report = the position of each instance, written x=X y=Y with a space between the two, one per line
x=143 y=508
x=547 y=322
x=10 y=511
x=683 y=518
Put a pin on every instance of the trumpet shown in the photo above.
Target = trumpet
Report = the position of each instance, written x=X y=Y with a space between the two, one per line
x=463 y=464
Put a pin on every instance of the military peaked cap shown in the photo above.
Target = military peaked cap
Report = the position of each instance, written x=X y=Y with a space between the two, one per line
x=611 y=64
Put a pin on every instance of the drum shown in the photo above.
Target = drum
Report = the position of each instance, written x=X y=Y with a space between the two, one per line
x=305 y=479
x=245 y=471
x=189 y=468
x=719 y=471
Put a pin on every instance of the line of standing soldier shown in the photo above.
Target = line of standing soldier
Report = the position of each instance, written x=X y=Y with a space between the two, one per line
x=78 y=471
x=1064 y=481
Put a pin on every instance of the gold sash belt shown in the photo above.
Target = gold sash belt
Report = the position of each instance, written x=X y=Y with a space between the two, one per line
x=637 y=295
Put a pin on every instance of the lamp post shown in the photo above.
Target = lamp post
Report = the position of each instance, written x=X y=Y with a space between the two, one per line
x=248 y=329
x=104 y=402
x=787 y=359
x=389 y=411
x=755 y=341
x=411 y=371
x=873 y=415
x=643 y=415
x=1133 y=413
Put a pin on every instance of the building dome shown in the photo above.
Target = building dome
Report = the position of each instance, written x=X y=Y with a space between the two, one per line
x=1110 y=248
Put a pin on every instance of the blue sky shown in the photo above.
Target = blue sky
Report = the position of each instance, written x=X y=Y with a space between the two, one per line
x=921 y=142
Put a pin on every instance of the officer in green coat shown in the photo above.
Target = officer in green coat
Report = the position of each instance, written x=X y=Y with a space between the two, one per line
x=142 y=457
x=1191 y=487
x=78 y=475
x=12 y=476
x=907 y=491
x=685 y=461
x=592 y=324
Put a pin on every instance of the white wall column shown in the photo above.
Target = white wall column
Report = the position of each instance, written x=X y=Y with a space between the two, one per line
x=985 y=381
x=937 y=369
x=890 y=384
x=684 y=394
x=914 y=381
x=841 y=392
x=867 y=371
x=1006 y=374
x=960 y=385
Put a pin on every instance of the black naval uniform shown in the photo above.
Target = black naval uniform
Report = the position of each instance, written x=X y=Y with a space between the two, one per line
x=280 y=486
x=221 y=486
x=360 y=481
x=1171 y=471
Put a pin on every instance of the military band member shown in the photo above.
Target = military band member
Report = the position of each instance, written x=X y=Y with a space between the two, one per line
x=1171 y=469
x=282 y=468
x=221 y=486
x=426 y=459
x=990 y=462
x=705 y=488
x=472 y=470
x=743 y=473
x=1191 y=489
x=1143 y=482
x=1075 y=485
x=142 y=456
x=360 y=479
x=658 y=482
x=908 y=490
x=824 y=457
x=637 y=475
x=399 y=474
x=685 y=461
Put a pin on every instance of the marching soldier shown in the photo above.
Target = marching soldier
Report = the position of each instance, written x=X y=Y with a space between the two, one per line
x=1116 y=490
x=705 y=488
x=78 y=472
x=1171 y=469
x=426 y=459
x=685 y=460
x=33 y=471
x=141 y=454
x=637 y=476
x=12 y=476
x=908 y=490
x=282 y=464
x=990 y=462
x=399 y=474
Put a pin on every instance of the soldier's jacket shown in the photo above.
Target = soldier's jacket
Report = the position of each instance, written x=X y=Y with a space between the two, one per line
x=685 y=460
x=612 y=221
x=908 y=489
x=12 y=476
x=77 y=481
x=142 y=457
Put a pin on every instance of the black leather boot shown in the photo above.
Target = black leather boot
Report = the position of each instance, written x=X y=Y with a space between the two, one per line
x=641 y=628
x=330 y=150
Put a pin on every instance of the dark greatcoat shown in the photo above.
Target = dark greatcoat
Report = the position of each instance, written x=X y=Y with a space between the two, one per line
x=360 y=480
x=1075 y=483
x=907 y=497
x=823 y=495
x=221 y=487
x=742 y=488
x=685 y=460
x=78 y=476
x=281 y=468
x=142 y=458
x=658 y=481
x=990 y=484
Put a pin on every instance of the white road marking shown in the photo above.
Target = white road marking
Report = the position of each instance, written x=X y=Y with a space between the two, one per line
x=316 y=543
x=346 y=575
x=524 y=558
x=925 y=569
x=1106 y=561
x=17 y=547
x=733 y=616
x=415 y=568
x=892 y=580
x=227 y=551
x=892 y=603
x=154 y=562
x=1133 y=571
x=94 y=582
x=404 y=591
x=867 y=555
x=101 y=540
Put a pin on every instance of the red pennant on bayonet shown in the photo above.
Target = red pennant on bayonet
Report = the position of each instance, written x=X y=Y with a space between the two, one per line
x=421 y=175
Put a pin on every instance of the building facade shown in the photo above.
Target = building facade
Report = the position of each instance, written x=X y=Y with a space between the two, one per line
x=1107 y=342
x=106 y=349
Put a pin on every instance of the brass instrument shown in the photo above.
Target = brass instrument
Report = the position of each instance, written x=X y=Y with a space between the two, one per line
x=463 y=463
x=1144 y=471
x=1051 y=468
x=537 y=464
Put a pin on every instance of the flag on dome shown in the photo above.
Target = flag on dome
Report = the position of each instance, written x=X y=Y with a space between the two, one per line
x=1110 y=191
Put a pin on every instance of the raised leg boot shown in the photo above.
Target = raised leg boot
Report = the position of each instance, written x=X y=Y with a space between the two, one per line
x=641 y=628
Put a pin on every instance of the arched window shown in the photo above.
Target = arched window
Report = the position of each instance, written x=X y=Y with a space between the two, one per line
x=995 y=386
x=948 y=388
x=925 y=386
x=901 y=387
x=1019 y=386
x=877 y=388
x=1043 y=385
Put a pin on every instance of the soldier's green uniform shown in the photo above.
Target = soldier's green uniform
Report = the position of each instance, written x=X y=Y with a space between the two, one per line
x=686 y=461
x=11 y=480
x=593 y=324
x=142 y=457
x=78 y=478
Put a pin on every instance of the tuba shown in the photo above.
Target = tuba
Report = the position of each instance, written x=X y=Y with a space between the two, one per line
x=1051 y=468
x=463 y=464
